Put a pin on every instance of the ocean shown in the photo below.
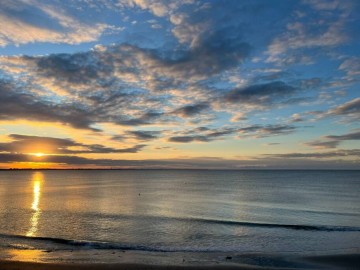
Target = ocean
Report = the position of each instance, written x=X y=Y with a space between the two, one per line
x=181 y=210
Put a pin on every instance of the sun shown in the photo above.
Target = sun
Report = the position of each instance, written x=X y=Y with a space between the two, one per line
x=38 y=154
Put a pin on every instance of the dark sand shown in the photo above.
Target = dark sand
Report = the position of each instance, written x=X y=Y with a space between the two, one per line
x=112 y=260
x=12 y=265
x=326 y=262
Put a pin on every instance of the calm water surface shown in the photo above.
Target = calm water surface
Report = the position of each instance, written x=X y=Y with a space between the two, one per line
x=170 y=210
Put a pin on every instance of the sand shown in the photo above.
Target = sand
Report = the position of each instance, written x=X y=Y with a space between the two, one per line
x=107 y=259
x=13 y=265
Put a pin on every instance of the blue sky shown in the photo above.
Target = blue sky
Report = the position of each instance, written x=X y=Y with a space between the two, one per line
x=179 y=84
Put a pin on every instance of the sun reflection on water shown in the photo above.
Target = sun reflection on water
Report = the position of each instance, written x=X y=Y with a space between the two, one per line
x=37 y=181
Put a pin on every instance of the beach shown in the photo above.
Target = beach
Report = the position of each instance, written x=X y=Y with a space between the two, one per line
x=113 y=260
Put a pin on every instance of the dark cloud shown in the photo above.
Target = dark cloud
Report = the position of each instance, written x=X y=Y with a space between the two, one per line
x=144 y=134
x=76 y=68
x=17 y=103
x=323 y=155
x=220 y=132
x=145 y=119
x=214 y=53
x=97 y=86
x=267 y=130
x=350 y=109
x=332 y=141
x=323 y=144
x=191 y=110
x=218 y=51
x=187 y=139
x=349 y=136
x=260 y=94
x=73 y=160
x=49 y=145
x=207 y=134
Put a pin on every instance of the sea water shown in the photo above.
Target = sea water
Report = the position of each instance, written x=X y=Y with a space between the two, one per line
x=181 y=210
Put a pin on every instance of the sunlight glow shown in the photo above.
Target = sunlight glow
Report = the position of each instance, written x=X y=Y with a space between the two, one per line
x=37 y=183
x=38 y=154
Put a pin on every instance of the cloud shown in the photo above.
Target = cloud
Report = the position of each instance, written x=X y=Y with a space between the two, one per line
x=191 y=110
x=158 y=8
x=145 y=119
x=207 y=45
x=327 y=29
x=114 y=83
x=345 y=137
x=36 y=21
x=350 y=110
x=260 y=94
x=213 y=54
x=332 y=141
x=15 y=103
x=144 y=135
x=208 y=134
x=323 y=155
x=323 y=144
x=295 y=118
x=351 y=66
x=266 y=130
x=187 y=139
x=48 y=145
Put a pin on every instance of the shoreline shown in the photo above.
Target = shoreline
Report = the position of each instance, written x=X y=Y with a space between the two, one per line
x=11 y=259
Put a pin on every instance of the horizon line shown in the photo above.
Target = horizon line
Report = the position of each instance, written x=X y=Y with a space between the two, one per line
x=173 y=169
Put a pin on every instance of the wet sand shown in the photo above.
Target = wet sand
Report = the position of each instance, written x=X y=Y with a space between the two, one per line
x=112 y=260
x=11 y=265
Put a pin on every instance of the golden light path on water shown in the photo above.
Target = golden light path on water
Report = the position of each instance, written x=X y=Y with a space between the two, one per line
x=37 y=181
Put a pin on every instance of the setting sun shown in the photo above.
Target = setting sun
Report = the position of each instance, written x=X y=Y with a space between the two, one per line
x=38 y=154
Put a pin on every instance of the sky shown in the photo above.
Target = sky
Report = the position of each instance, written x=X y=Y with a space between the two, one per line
x=180 y=84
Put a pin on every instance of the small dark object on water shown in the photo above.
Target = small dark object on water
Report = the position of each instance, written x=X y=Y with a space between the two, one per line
x=228 y=258
x=139 y=194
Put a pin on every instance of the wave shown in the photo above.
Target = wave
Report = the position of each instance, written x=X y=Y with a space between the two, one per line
x=89 y=245
x=325 y=228
x=65 y=244
x=81 y=244
x=284 y=226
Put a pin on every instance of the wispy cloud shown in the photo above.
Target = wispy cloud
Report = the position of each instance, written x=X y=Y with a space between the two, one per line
x=321 y=155
x=350 y=110
x=300 y=34
x=48 y=145
x=332 y=141
x=29 y=21
x=255 y=131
